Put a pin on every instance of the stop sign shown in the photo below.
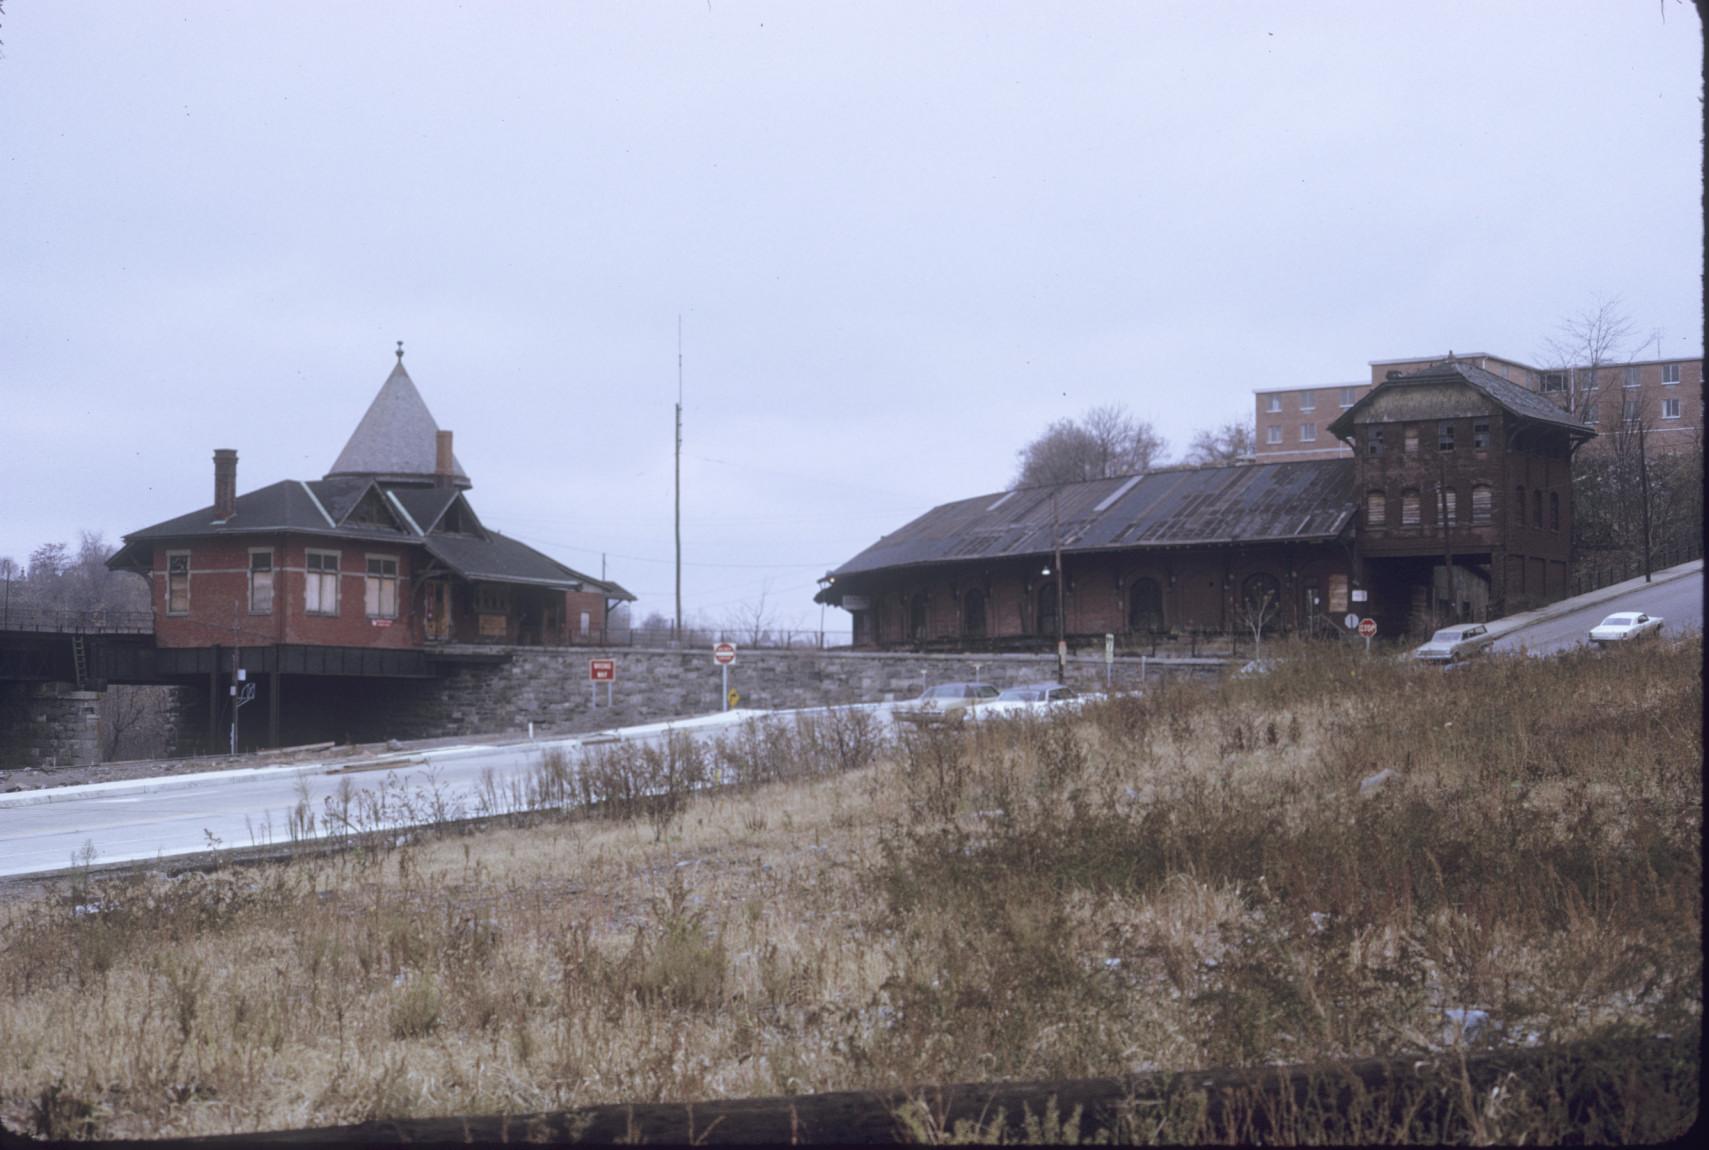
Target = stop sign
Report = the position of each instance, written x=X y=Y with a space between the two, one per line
x=1367 y=627
x=724 y=654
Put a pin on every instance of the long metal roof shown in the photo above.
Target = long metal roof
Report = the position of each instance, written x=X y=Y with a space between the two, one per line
x=1296 y=501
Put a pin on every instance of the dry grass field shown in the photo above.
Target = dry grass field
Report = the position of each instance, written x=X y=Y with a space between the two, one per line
x=1203 y=876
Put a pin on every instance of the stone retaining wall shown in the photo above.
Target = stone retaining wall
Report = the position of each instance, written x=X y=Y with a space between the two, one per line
x=550 y=687
x=48 y=725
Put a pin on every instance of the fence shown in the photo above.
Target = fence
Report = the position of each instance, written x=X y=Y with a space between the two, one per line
x=98 y=622
x=1590 y=574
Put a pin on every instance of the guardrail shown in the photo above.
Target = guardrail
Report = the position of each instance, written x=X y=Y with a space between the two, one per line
x=98 y=622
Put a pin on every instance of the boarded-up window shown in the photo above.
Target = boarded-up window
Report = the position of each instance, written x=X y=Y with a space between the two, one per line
x=1374 y=441
x=1411 y=510
x=1411 y=440
x=320 y=588
x=380 y=588
x=1376 y=509
x=1450 y=499
x=587 y=624
x=178 y=583
x=1483 y=500
x=261 y=582
x=1554 y=511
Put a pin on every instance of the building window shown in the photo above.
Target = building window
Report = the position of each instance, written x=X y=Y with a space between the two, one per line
x=1376 y=509
x=1374 y=441
x=1145 y=606
x=1308 y=433
x=1670 y=408
x=1670 y=373
x=1444 y=437
x=973 y=614
x=1632 y=379
x=1590 y=414
x=586 y=624
x=1347 y=396
x=1483 y=500
x=492 y=599
x=1411 y=440
x=261 y=582
x=1308 y=401
x=380 y=589
x=1411 y=513
x=1480 y=435
x=917 y=616
x=1450 y=501
x=1537 y=507
x=1273 y=404
x=1554 y=381
x=1273 y=434
x=1519 y=505
x=1629 y=410
x=320 y=590
x=177 y=582
x=1554 y=511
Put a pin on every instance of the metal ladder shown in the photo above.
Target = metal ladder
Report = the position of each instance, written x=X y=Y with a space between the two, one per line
x=80 y=660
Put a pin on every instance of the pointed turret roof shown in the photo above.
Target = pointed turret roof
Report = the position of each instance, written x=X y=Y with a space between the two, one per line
x=397 y=438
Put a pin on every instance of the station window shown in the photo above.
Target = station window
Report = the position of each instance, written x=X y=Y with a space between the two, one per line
x=261 y=581
x=177 y=582
x=1483 y=500
x=1376 y=509
x=1374 y=441
x=1480 y=435
x=320 y=586
x=1411 y=510
x=380 y=588
x=1411 y=440
x=1445 y=436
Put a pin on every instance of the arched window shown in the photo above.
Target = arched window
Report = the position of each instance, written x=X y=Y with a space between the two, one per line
x=1047 y=608
x=1554 y=511
x=1411 y=510
x=973 y=613
x=1261 y=601
x=1145 y=606
x=1376 y=508
x=1482 y=502
x=1450 y=499
x=1537 y=507
x=917 y=616
x=1519 y=506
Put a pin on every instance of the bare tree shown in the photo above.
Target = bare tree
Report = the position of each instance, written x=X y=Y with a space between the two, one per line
x=752 y=620
x=1105 y=442
x=1222 y=446
x=1587 y=346
x=1258 y=610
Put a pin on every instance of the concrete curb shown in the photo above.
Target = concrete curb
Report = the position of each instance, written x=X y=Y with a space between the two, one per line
x=1500 y=628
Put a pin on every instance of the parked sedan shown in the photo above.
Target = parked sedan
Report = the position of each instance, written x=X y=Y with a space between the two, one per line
x=1030 y=697
x=945 y=703
x=1453 y=643
x=1624 y=625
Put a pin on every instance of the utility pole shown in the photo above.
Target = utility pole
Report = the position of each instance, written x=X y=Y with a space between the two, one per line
x=676 y=632
x=1061 y=639
x=1447 y=541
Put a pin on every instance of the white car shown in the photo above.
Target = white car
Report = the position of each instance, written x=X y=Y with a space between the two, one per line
x=1624 y=625
x=1030 y=697
x=945 y=703
x=1451 y=643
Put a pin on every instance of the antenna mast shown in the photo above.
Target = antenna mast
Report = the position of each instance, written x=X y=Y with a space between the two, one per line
x=676 y=634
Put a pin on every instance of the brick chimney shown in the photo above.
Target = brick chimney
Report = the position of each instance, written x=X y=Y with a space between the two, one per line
x=225 y=483
x=443 y=467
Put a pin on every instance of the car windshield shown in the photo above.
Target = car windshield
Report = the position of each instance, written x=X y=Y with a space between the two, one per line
x=1452 y=634
x=1021 y=695
x=1620 y=620
x=946 y=691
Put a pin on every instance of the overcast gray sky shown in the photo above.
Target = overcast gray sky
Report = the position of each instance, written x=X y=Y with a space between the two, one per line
x=902 y=238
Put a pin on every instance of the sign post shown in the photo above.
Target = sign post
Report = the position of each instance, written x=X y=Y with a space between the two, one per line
x=1109 y=660
x=1367 y=628
x=724 y=654
x=601 y=671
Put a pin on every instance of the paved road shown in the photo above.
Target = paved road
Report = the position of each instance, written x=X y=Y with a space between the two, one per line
x=1679 y=602
x=48 y=829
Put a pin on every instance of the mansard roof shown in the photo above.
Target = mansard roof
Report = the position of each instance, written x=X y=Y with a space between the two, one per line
x=1297 y=501
x=397 y=437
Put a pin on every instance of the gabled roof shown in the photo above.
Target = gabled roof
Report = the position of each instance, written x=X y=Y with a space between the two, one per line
x=397 y=437
x=1302 y=501
x=499 y=558
x=1518 y=401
